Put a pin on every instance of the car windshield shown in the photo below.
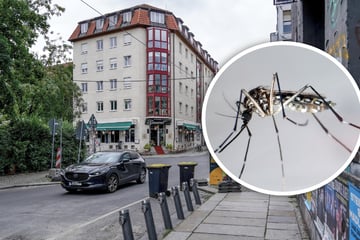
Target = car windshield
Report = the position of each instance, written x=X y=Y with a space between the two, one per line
x=103 y=158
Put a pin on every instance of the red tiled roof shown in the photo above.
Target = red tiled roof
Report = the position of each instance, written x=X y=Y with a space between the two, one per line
x=140 y=17
x=91 y=28
x=171 y=22
x=75 y=34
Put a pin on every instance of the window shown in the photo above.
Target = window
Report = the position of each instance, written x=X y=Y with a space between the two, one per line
x=180 y=107
x=186 y=90
x=84 y=48
x=157 y=17
x=84 y=68
x=84 y=28
x=113 y=42
x=127 y=104
x=127 y=39
x=99 y=45
x=84 y=87
x=192 y=93
x=287 y=21
x=186 y=53
x=192 y=58
x=112 y=21
x=84 y=107
x=186 y=109
x=150 y=105
x=192 y=111
x=127 y=17
x=180 y=47
x=99 y=25
x=180 y=67
x=100 y=106
x=99 y=65
x=180 y=87
x=127 y=61
x=113 y=63
x=100 y=85
x=158 y=38
x=130 y=135
x=113 y=105
x=127 y=82
x=113 y=84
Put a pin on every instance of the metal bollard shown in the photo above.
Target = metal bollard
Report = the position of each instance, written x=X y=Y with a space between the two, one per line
x=125 y=223
x=195 y=191
x=165 y=211
x=177 y=201
x=149 y=220
x=187 y=197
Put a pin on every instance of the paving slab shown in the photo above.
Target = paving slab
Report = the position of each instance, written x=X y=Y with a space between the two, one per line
x=236 y=230
x=241 y=215
x=236 y=221
x=202 y=236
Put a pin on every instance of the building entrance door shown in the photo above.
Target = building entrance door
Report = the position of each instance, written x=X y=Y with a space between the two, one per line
x=157 y=134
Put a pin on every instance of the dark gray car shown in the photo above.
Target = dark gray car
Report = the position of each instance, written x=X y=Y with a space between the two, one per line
x=104 y=170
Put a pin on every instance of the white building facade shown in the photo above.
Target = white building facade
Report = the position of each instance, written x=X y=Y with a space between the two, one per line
x=143 y=76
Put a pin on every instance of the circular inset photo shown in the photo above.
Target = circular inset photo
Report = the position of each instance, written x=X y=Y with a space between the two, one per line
x=282 y=118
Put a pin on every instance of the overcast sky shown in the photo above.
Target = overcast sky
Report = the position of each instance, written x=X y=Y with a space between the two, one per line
x=223 y=27
x=311 y=158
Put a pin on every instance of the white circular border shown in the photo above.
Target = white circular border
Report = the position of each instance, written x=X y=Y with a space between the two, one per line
x=216 y=78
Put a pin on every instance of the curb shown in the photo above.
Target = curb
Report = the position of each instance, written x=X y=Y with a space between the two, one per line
x=28 y=185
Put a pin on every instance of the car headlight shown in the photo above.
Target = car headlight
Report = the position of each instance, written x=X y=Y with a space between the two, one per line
x=98 y=173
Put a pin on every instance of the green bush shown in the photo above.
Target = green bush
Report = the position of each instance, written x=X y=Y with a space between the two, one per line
x=26 y=144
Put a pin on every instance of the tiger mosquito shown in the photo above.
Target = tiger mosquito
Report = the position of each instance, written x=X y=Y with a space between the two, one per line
x=266 y=102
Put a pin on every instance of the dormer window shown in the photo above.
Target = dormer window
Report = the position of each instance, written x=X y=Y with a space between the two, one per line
x=112 y=21
x=127 y=17
x=99 y=24
x=157 y=17
x=84 y=28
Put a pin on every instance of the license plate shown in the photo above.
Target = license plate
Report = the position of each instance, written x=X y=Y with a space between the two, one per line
x=75 y=184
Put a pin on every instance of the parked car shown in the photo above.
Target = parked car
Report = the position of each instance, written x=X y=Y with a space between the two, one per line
x=104 y=170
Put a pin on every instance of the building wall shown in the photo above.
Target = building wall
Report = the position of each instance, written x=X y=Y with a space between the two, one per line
x=190 y=70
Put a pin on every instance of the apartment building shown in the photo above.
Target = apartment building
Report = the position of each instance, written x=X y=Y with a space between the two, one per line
x=143 y=76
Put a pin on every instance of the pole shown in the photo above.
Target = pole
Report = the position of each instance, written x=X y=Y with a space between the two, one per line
x=125 y=223
x=53 y=142
x=81 y=136
x=177 y=201
x=187 y=197
x=61 y=147
x=165 y=211
x=149 y=220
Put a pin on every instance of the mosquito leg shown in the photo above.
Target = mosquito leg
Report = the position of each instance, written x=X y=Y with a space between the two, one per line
x=238 y=103
x=246 y=153
x=285 y=104
x=278 y=139
x=340 y=118
x=225 y=145
x=329 y=134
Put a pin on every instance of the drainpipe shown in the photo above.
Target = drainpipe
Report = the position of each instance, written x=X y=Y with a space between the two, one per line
x=173 y=90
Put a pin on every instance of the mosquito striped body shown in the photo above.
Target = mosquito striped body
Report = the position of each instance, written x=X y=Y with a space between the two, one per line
x=269 y=101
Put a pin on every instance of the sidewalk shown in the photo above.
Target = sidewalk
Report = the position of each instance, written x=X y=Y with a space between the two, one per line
x=25 y=180
x=242 y=215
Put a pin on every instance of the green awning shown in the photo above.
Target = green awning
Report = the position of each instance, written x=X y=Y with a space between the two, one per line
x=113 y=126
x=190 y=126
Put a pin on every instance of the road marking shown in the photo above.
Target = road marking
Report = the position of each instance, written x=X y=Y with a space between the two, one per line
x=96 y=219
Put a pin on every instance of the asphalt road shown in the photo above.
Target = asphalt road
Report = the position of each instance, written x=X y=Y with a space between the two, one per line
x=49 y=212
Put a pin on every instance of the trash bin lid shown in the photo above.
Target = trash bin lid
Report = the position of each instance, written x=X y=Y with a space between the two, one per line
x=187 y=163
x=159 y=165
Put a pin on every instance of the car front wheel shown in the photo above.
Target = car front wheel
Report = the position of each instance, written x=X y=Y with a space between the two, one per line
x=142 y=176
x=112 y=183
